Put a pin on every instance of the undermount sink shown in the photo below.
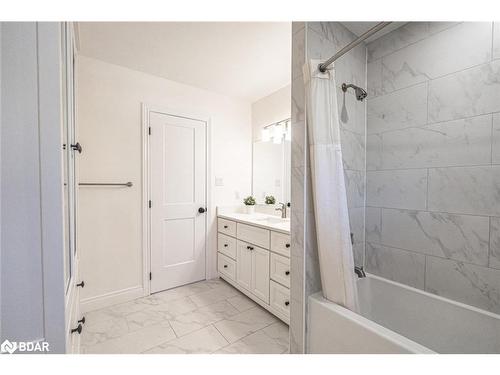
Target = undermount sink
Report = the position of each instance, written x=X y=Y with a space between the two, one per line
x=274 y=220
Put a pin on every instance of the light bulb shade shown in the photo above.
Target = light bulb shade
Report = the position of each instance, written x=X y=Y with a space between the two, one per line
x=266 y=135
x=279 y=130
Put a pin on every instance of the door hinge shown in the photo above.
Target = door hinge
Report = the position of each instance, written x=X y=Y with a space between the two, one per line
x=150 y=204
x=150 y=276
x=149 y=130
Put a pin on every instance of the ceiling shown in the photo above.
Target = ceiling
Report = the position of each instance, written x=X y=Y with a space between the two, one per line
x=359 y=28
x=248 y=60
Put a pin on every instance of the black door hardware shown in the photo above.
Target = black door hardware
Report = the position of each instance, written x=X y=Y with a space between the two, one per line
x=77 y=147
x=202 y=210
x=77 y=329
x=82 y=284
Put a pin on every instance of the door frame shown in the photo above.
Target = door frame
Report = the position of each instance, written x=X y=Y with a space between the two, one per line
x=146 y=187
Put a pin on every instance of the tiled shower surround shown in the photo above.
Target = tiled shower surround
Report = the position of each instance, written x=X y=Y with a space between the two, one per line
x=432 y=167
x=320 y=40
x=433 y=160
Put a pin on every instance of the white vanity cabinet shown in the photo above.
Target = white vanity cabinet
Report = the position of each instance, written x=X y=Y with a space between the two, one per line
x=252 y=272
x=256 y=261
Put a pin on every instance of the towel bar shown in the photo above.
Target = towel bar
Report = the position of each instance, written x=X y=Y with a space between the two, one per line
x=128 y=184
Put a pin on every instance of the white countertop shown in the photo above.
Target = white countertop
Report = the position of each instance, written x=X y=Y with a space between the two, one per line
x=259 y=220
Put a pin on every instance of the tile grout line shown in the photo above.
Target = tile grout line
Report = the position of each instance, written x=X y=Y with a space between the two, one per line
x=429 y=124
x=430 y=80
x=486 y=164
x=431 y=255
x=417 y=41
x=432 y=211
x=224 y=337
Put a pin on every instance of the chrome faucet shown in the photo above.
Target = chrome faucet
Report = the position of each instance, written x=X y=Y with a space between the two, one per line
x=282 y=209
x=360 y=271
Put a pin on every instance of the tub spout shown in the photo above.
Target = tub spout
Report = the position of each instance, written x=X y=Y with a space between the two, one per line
x=360 y=271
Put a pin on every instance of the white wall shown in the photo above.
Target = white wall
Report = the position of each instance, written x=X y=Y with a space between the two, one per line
x=270 y=109
x=109 y=101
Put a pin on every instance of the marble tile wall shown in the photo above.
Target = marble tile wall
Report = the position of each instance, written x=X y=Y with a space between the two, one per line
x=320 y=40
x=298 y=192
x=432 y=219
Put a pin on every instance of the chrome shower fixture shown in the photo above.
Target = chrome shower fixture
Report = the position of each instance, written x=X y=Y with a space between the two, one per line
x=360 y=93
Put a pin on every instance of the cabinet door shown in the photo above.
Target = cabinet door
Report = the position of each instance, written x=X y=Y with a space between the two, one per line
x=260 y=273
x=244 y=265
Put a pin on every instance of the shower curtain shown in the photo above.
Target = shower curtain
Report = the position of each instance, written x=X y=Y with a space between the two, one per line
x=333 y=233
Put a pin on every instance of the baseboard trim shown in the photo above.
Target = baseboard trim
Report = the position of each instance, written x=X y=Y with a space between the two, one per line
x=110 y=299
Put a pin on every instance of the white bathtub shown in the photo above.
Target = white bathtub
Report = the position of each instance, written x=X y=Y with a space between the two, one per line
x=399 y=319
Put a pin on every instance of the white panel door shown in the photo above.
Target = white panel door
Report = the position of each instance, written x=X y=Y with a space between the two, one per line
x=178 y=195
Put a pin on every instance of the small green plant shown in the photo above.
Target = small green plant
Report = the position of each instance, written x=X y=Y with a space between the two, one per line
x=249 y=201
x=270 y=199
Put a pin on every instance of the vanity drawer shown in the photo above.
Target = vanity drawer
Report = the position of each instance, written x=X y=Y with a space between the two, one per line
x=226 y=226
x=280 y=243
x=226 y=245
x=253 y=235
x=280 y=269
x=226 y=266
x=280 y=298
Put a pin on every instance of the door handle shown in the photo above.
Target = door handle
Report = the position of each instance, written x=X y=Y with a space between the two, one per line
x=77 y=329
x=202 y=210
x=77 y=147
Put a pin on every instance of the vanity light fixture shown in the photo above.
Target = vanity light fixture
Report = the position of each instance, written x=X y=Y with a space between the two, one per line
x=277 y=132
x=266 y=135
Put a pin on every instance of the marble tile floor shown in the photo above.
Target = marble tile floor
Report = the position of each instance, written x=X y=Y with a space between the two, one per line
x=205 y=317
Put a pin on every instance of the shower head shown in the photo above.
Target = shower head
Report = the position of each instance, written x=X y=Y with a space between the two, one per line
x=360 y=93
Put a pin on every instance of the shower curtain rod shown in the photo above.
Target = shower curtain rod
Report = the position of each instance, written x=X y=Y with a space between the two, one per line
x=323 y=66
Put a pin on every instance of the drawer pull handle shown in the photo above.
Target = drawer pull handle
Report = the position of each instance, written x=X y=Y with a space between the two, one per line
x=225 y=245
x=225 y=265
x=225 y=227
x=77 y=329
x=287 y=245
x=287 y=273
x=250 y=247
x=287 y=303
